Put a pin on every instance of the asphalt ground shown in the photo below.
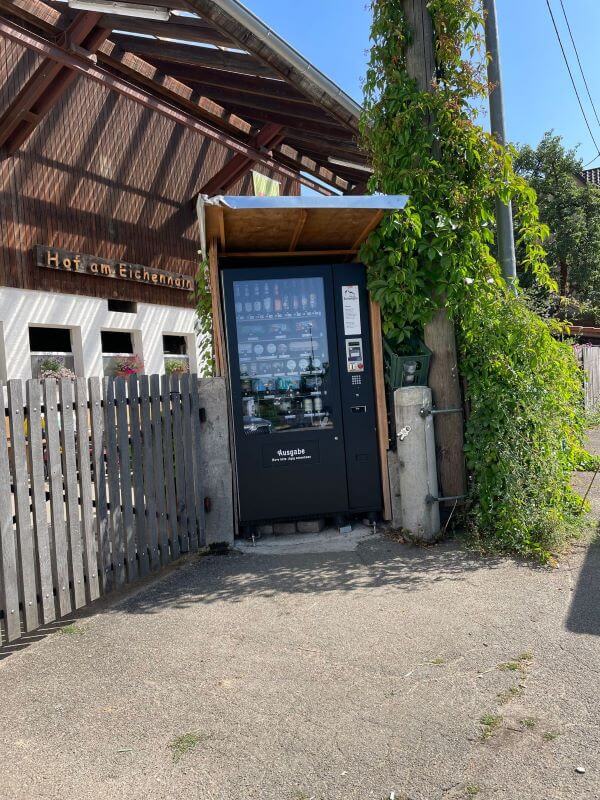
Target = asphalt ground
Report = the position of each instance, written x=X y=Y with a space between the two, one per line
x=344 y=674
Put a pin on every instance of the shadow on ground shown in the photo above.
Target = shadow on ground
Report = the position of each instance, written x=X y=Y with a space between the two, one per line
x=584 y=613
x=379 y=564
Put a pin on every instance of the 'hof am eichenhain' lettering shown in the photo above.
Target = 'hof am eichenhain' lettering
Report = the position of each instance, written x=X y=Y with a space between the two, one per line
x=83 y=264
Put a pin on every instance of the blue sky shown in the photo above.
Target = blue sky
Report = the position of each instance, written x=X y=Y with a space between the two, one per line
x=334 y=35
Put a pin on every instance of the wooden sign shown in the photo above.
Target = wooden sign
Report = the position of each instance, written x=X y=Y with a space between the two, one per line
x=83 y=264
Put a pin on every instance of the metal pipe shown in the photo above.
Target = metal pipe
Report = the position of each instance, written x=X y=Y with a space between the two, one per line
x=430 y=499
x=425 y=412
x=504 y=219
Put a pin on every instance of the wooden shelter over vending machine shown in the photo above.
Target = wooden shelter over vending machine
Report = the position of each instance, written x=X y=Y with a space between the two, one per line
x=300 y=342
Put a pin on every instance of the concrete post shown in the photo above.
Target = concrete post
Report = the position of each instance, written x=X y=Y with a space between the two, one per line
x=215 y=457
x=418 y=483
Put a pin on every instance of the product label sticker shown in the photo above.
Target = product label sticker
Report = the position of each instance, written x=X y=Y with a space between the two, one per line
x=351 y=310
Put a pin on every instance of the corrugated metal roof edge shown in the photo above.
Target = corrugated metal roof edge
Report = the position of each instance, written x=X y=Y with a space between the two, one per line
x=376 y=202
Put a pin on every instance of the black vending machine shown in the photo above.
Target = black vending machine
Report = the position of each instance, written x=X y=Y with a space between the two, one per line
x=302 y=393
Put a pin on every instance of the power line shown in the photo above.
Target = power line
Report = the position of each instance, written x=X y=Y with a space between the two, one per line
x=587 y=88
x=571 y=76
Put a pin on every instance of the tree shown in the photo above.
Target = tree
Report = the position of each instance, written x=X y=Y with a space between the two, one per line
x=571 y=210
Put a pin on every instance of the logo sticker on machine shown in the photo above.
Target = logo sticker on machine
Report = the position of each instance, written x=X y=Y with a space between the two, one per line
x=351 y=310
x=280 y=455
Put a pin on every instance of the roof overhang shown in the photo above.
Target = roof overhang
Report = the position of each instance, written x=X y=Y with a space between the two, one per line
x=211 y=62
x=292 y=226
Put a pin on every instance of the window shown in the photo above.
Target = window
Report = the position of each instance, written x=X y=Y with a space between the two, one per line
x=122 y=306
x=51 y=352
x=118 y=354
x=177 y=361
x=117 y=342
x=174 y=345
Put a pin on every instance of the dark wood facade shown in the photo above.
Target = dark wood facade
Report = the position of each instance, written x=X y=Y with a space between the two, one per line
x=103 y=175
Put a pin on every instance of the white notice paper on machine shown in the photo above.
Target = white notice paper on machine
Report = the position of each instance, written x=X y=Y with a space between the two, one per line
x=351 y=309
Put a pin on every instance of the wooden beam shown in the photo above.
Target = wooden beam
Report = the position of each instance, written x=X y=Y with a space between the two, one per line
x=221 y=218
x=302 y=217
x=154 y=80
x=186 y=28
x=295 y=160
x=245 y=84
x=83 y=66
x=328 y=144
x=217 y=312
x=280 y=253
x=321 y=151
x=191 y=54
x=300 y=79
x=133 y=67
x=371 y=225
x=38 y=14
x=293 y=109
x=147 y=75
x=47 y=84
x=259 y=115
x=383 y=435
x=267 y=138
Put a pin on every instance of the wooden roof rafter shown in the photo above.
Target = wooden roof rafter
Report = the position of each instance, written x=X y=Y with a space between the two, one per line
x=178 y=27
x=235 y=114
x=48 y=83
x=191 y=54
x=83 y=66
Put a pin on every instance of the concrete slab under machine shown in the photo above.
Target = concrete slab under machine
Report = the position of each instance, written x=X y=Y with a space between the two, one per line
x=328 y=541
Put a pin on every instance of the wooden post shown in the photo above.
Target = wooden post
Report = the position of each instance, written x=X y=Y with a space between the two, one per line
x=439 y=333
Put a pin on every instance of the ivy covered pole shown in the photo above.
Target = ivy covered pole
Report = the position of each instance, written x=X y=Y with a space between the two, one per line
x=504 y=218
x=439 y=334
x=433 y=263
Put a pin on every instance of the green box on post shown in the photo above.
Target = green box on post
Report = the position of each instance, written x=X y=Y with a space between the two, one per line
x=407 y=370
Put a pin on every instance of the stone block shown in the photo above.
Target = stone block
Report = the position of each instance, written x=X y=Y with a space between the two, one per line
x=215 y=461
x=310 y=525
x=394 y=476
x=264 y=530
x=284 y=528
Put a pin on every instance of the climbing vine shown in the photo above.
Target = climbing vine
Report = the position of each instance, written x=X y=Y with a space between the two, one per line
x=204 y=329
x=524 y=430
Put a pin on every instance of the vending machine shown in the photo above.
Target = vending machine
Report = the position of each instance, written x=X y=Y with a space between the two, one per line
x=302 y=392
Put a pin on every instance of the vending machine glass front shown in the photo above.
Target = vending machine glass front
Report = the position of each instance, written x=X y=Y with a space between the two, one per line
x=283 y=353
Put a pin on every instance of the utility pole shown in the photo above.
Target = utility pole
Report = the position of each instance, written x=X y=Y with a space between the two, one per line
x=504 y=219
x=439 y=333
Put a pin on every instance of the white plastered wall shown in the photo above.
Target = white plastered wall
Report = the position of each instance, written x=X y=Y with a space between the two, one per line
x=87 y=317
